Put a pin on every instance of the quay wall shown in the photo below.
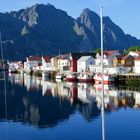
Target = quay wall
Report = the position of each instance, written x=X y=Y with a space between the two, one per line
x=131 y=80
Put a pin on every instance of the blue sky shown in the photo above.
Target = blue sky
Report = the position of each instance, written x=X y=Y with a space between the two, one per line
x=125 y=13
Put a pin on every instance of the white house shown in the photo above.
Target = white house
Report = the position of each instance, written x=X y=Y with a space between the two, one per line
x=108 y=57
x=64 y=64
x=84 y=63
x=32 y=62
x=137 y=65
x=46 y=63
x=61 y=62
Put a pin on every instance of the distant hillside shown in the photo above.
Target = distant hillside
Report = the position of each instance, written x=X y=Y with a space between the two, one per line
x=43 y=29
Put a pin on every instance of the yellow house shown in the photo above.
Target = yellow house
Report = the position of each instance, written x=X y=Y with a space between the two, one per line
x=126 y=61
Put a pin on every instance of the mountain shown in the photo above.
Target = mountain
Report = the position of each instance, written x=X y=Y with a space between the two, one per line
x=44 y=30
x=114 y=36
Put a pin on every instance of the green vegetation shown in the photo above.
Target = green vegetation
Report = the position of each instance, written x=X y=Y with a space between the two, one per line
x=133 y=48
x=133 y=83
x=98 y=50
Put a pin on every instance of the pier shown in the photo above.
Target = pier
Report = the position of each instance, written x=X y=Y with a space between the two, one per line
x=129 y=79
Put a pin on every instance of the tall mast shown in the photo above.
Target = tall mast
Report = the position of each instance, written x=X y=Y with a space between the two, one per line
x=102 y=69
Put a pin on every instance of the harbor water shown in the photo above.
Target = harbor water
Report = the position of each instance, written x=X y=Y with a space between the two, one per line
x=36 y=109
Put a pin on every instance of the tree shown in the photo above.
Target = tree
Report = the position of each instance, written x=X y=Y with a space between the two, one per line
x=133 y=48
x=98 y=50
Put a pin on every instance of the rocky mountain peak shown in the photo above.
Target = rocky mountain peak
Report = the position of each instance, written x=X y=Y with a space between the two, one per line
x=43 y=29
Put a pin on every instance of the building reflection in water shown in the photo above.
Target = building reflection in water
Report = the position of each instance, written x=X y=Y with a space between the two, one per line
x=45 y=104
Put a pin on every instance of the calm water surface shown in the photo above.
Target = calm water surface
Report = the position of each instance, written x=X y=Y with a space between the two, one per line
x=35 y=109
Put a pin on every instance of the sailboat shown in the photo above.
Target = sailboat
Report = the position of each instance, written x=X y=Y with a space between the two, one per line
x=102 y=77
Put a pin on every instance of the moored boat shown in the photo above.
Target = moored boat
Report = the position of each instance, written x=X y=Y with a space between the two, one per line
x=84 y=77
x=72 y=77
x=107 y=79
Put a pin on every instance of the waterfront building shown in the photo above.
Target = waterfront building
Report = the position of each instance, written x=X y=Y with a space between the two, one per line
x=135 y=54
x=74 y=58
x=114 y=63
x=33 y=62
x=125 y=61
x=108 y=57
x=68 y=62
x=46 y=63
x=137 y=65
x=15 y=66
x=64 y=62
x=61 y=62
x=84 y=62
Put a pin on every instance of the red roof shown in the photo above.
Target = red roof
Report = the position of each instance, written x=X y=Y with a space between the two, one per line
x=119 y=57
x=125 y=57
x=47 y=58
x=109 y=52
x=34 y=58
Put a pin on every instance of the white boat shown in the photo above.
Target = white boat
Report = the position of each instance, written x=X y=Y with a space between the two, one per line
x=72 y=77
x=107 y=79
x=84 y=77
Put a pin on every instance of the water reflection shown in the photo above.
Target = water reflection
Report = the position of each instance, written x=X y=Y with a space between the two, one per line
x=45 y=104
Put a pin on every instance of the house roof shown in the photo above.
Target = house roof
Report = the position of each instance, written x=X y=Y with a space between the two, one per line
x=75 y=55
x=119 y=57
x=79 y=55
x=47 y=58
x=125 y=57
x=34 y=58
x=110 y=52
x=65 y=56
x=84 y=58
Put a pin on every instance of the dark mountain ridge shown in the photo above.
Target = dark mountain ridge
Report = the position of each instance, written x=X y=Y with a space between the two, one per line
x=44 y=30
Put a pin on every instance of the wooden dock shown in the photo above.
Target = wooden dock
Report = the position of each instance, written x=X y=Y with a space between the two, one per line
x=129 y=79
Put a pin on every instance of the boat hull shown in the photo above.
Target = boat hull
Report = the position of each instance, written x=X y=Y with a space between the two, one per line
x=85 y=80
x=71 y=78
x=107 y=79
